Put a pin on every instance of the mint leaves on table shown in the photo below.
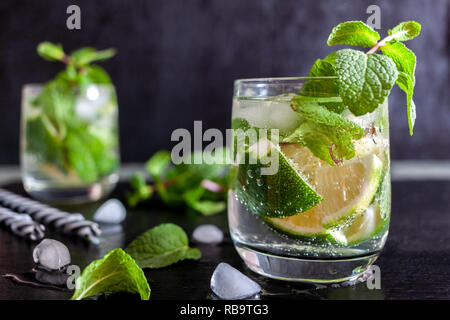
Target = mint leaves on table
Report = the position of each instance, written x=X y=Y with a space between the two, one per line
x=199 y=187
x=121 y=271
x=161 y=246
x=353 y=80
x=116 y=272
x=141 y=191
x=55 y=134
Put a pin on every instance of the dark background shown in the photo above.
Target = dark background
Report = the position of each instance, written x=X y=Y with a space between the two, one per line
x=177 y=61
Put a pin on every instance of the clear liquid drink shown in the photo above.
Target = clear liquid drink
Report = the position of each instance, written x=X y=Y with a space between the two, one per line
x=310 y=220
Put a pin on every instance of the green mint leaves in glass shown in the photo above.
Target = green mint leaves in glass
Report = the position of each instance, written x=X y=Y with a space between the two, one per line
x=323 y=215
x=69 y=144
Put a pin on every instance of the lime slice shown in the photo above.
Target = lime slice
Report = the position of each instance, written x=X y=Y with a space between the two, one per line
x=281 y=193
x=356 y=187
x=364 y=227
x=303 y=226
x=347 y=190
x=305 y=229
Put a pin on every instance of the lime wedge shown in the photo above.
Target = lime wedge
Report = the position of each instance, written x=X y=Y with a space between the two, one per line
x=358 y=184
x=279 y=194
x=364 y=227
x=347 y=191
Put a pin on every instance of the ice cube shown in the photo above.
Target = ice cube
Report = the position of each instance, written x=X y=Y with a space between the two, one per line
x=207 y=233
x=90 y=101
x=230 y=284
x=254 y=111
x=270 y=114
x=282 y=116
x=51 y=255
x=112 y=211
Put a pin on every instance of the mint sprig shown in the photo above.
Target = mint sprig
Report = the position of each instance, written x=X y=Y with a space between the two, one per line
x=403 y=58
x=357 y=81
x=327 y=134
x=63 y=142
x=198 y=187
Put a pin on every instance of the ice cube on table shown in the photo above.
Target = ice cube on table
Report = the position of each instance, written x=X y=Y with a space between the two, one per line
x=207 y=233
x=229 y=283
x=51 y=255
x=112 y=211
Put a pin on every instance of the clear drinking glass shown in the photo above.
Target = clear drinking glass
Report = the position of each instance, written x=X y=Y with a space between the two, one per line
x=69 y=142
x=278 y=226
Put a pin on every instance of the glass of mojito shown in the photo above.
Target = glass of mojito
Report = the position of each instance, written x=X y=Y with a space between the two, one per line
x=310 y=188
x=69 y=145
x=304 y=203
x=69 y=129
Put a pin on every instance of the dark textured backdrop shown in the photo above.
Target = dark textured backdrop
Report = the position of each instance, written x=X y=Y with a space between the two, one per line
x=177 y=60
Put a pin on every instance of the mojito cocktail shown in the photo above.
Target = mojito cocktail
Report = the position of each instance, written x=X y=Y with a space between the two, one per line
x=309 y=209
x=310 y=191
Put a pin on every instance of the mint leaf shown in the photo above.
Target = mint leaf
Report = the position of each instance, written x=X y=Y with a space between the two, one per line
x=354 y=33
x=326 y=134
x=322 y=87
x=405 y=31
x=94 y=74
x=116 y=272
x=80 y=158
x=194 y=200
x=331 y=58
x=50 y=51
x=158 y=164
x=310 y=110
x=162 y=246
x=405 y=83
x=322 y=68
x=323 y=140
x=141 y=191
x=240 y=123
x=405 y=60
x=85 y=56
x=365 y=80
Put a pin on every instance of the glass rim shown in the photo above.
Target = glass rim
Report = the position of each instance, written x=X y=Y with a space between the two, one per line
x=42 y=84
x=281 y=79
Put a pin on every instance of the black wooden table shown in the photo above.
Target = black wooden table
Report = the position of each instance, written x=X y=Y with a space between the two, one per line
x=414 y=265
